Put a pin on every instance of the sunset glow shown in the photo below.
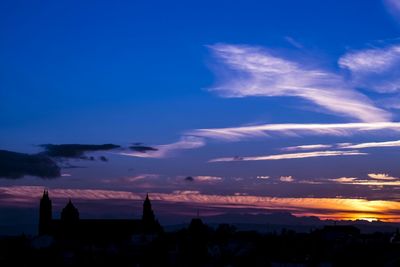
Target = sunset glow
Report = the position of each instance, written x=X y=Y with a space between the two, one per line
x=323 y=208
x=230 y=108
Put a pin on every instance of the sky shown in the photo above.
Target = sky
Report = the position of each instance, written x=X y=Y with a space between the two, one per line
x=217 y=106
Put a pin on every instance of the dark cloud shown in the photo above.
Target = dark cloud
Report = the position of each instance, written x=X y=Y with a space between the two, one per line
x=75 y=150
x=189 y=179
x=141 y=148
x=16 y=165
x=103 y=158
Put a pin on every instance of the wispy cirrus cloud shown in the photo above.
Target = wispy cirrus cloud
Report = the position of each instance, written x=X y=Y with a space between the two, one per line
x=395 y=143
x=203 y=178
x=207 y=178
x=344 y=179
x=375 y=179
x=258 y=72
x=334 y=129
x=292 y=156
x=132 y=179
x=381 y=176
x=163 y=151
x=293 y=42
x=306 y=147
x=375 y=68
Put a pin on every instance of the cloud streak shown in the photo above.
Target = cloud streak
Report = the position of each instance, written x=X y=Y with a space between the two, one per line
x=207 y=178
x=257 y=72
x=292 y=156
x=375 y=182
x=164 y=151
x=376 y=69
x=382 y=176
x=334 y=129
x=372 y=145
x=306 y=147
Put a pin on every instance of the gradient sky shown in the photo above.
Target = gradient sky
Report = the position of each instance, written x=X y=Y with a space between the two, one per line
x=283 y=105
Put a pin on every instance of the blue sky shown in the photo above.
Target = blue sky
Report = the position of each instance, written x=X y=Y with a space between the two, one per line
x=212 y=85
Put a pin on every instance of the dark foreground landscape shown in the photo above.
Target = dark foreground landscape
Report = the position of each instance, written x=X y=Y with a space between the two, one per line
x=71 y=241
x=200 y=245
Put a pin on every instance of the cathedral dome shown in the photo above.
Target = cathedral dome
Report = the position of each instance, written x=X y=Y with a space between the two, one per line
x=69 y=213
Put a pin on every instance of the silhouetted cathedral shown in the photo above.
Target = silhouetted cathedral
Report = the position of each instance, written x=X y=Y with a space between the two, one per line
x=71 y=226
x=45 y=214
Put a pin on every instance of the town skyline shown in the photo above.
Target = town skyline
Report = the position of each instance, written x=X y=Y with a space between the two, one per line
x=252 y=107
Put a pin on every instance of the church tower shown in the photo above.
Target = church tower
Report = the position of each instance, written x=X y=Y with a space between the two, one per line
x=148 y=214
x=149 y=222
x=45 y=214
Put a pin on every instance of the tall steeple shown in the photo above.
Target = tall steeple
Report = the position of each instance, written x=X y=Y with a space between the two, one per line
x=149 y=222
x=148 y=214
x=45 y=214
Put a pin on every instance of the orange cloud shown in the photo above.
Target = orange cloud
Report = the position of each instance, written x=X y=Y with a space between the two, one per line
x=324 y=208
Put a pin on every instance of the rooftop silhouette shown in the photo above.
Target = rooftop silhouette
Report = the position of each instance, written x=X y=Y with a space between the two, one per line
x=70 y=225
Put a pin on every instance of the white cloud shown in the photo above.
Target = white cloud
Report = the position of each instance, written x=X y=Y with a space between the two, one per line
x=306 y=147
x=375 y=69
x=344 y=179
x=163 y=151
x=395 y=143
x=378 y=183
x=336 y=129
x=206 y=178
x=381 y=176
x=379 y=179
x=186 y=192
x=372 y=145
x=287 y=179
x=259 y=73
x=263 y=177
x=292 y=156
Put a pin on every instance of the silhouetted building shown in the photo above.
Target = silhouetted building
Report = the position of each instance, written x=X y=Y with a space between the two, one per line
x=45 y=214
x=149 y=222
x=71 y=226
x=148 y=214
x=70 y=214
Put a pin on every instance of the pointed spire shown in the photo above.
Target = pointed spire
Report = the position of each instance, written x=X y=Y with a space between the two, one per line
x=45 y=213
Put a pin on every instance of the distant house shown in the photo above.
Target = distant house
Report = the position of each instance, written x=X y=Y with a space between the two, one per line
x=70 y=225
